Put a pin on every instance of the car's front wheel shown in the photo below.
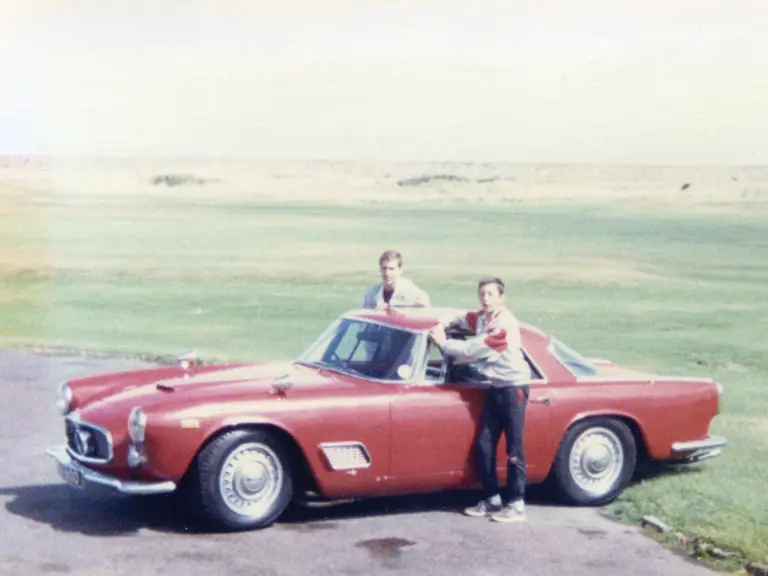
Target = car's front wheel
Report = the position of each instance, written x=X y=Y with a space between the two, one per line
x=595 y=461
x=242 y=480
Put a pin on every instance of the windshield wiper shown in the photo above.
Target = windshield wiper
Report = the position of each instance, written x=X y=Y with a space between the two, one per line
x=305 y=363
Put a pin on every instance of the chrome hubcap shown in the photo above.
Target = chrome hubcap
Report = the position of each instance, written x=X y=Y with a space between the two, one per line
x=250 y=479
x=596 y=460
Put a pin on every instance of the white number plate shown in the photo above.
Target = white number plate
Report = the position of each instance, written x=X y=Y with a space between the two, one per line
x=71 y=475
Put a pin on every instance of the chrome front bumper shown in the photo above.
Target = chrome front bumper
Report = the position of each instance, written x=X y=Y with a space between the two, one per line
x=697 y=450
x=78 y=475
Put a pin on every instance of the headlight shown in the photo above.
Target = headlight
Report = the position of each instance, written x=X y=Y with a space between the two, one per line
x=64 y=398
x=137 y=425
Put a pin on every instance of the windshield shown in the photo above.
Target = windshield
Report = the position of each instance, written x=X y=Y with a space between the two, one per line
x=571 y=359
x=365 y=349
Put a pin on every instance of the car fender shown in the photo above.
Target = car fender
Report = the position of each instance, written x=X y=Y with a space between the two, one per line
x=299 y=452
x=217 y=427
x=628 y=418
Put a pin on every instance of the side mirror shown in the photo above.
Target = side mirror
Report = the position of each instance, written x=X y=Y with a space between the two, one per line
x=187 y=360
x=404 y=372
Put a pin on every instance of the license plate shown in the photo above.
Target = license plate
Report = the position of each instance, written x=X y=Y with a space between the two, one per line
x=71 y=475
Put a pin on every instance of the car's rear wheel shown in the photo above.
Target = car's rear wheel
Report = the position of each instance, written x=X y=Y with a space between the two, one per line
x=595 y=461
x=243 y=480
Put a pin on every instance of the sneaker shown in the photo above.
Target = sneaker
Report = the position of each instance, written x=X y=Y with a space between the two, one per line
x=512 y=512
x=481 y=509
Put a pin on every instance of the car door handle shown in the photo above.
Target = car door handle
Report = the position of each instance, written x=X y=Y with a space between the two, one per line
x=545 y=400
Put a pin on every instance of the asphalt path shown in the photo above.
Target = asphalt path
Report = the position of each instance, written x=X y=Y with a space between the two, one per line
x=48 y=528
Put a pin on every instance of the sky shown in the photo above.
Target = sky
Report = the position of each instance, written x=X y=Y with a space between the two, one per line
x=596 y=81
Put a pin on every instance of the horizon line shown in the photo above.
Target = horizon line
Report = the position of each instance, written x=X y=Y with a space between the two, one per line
x=262 y=159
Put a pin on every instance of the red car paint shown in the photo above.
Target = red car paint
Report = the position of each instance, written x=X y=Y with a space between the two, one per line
x=419 y=437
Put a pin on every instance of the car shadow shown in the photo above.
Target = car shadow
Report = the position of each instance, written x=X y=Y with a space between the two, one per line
x=98 y=513
x=651 y=470
x=452 y=502
x=93 y=512
x=103 y=513
x=542 y=494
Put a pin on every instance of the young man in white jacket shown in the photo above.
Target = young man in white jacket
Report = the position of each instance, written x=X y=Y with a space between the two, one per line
x=393 y=290
x=495 y=359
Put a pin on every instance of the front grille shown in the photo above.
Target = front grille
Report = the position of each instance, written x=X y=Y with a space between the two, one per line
x=88 y=442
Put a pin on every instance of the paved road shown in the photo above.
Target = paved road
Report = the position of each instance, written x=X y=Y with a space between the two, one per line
x=47 y=528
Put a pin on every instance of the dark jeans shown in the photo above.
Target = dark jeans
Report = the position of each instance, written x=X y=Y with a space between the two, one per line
x=503 y=411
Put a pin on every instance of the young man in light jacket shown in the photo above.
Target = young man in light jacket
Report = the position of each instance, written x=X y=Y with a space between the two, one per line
x=394 y=289
x=495 y=359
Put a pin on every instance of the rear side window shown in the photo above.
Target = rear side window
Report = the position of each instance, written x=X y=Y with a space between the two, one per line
x=572 y=360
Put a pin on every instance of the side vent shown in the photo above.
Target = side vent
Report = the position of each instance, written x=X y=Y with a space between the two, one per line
x=346 y=455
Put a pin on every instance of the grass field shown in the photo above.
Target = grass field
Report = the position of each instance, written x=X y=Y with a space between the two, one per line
x=236 y=280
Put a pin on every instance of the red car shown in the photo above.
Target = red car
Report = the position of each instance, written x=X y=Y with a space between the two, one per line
x=370 y=409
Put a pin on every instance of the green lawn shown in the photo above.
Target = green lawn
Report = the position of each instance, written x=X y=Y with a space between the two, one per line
x=679 y=293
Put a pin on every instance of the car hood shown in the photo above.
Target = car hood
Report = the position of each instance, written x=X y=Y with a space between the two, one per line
x=228 y=384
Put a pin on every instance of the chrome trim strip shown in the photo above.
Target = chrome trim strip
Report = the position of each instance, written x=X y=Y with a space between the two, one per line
x=645 y=379
x=75 y=419
x=422 y=361
x=648 y=377
x=699 y=456
x=61 y=455
x=707 y=444
x=544 y=378
x=694 y=379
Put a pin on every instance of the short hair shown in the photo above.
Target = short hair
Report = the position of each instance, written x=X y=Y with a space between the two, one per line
x=391 y=255
x=492 y=280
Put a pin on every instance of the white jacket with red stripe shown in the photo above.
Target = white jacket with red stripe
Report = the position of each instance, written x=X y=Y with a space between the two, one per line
x=496 y=349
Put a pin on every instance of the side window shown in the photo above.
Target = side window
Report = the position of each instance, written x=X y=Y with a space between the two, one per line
x=435 y=355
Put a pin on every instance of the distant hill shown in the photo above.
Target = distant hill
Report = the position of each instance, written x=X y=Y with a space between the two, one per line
x=376 y=182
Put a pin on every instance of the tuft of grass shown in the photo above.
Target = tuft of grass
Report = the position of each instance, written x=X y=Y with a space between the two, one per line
x=239 y=280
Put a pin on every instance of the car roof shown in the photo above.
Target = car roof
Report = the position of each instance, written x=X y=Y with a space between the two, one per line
x=423 y=318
